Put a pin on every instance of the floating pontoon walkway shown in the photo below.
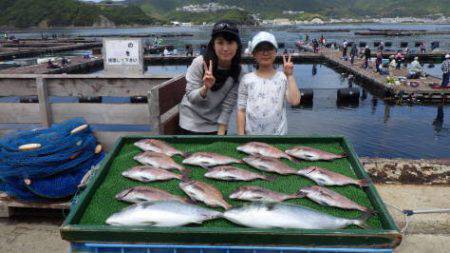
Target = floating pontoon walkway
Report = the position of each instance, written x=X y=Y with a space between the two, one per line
x=414 y=90
x=77 y=64
x=36 y=48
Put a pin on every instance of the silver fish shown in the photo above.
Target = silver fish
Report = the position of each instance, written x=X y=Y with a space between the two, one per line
x=312 y=154
x=158 y=160
x=231 y=173
x=327 y=197
x=208 y=194
x=162 y=214
x=326 y=177
x=256 y=194
x=158 y=146
x=278 y=215
x=207 y=159
x=147 y=174
x=269 y=165
x=86 y=178
x=146 y=193
x=255 y=148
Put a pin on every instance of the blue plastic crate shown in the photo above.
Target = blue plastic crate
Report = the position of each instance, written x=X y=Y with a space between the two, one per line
x=142 y=248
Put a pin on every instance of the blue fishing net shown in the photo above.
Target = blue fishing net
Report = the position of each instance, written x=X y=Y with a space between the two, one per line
x=58 y=186
x=55 y=169
x=60 y=150
x=18 y=190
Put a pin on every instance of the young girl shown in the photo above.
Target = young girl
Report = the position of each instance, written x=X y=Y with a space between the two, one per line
x=262 y=94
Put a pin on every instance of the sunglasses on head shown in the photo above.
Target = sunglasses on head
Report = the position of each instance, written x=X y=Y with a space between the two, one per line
x=225 y=27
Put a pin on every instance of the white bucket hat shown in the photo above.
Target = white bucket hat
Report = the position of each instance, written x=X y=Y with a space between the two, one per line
x=263 y=37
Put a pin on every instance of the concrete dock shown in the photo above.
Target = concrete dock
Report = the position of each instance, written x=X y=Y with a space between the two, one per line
x=425 y=233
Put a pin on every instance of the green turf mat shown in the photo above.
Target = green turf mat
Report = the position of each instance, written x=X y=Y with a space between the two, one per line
x=103 y=203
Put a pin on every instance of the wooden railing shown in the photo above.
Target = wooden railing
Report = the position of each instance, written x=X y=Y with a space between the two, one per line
x=165 y=112
x=159 y=115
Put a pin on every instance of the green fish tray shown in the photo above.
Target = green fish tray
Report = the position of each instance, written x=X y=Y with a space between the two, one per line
x=91 y=208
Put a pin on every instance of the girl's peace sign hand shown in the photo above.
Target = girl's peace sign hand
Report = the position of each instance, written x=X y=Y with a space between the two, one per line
x=288 y=66
x=208 y=78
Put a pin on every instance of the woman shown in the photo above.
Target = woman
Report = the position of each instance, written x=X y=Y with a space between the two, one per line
x=212 y=83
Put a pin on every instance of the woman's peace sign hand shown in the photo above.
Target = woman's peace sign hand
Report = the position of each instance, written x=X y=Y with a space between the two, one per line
x=208 y=78
x=288 y=66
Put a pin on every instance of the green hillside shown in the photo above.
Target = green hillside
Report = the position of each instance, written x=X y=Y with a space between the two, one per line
x=30 y=13
x=329 y=8
x=52 y=13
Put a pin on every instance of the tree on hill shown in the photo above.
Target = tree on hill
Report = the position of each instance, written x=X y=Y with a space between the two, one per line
x=29 y=13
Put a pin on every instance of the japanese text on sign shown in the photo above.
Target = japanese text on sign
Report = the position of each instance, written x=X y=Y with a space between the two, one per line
x=122 y=52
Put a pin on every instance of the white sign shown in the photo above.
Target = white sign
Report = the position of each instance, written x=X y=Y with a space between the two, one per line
x=122 y=52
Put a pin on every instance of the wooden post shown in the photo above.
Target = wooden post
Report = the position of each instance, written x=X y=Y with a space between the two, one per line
x=154 y=112
x=5 y=212
x=44 y=106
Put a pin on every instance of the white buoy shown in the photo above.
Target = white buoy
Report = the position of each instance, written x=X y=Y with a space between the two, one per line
x=29 y=146
x=27 y=181
x=79 y=129
x=98 y=149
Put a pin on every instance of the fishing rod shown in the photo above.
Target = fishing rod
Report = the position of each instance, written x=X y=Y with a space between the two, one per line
x=409 y=213
x=412 y=212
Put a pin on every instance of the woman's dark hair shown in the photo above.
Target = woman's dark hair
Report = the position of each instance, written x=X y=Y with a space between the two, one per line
x=228 y=31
